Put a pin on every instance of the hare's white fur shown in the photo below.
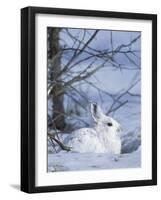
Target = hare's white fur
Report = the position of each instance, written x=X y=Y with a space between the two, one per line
x=104 y=137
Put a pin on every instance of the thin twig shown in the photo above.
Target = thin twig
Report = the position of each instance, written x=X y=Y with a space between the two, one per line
x=63 y=147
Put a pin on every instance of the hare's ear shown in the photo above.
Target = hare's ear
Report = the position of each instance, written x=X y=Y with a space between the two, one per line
x=96 y=112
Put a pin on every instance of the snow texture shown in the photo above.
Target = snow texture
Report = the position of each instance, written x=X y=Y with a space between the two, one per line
x=130 y=156
x=73 y=161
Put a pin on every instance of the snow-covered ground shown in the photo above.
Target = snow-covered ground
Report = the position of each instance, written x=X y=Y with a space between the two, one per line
x=130 y=151
x=72 y=161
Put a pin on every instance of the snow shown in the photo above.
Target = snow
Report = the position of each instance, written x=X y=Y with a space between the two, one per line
x=73 y=161
x=130 y=147
x=131 y=141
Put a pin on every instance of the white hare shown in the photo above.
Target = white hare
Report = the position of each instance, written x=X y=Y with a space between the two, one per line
x=104 y=137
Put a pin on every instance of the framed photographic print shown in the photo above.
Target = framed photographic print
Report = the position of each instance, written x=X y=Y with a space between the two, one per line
x=88 y=99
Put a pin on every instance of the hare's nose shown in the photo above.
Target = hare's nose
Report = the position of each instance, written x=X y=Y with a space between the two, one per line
x=119 y=129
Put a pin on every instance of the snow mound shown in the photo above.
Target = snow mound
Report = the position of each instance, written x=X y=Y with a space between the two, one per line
x=131 y=141
x=72 y=161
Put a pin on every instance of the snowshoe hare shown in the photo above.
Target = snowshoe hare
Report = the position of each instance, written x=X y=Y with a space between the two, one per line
x=104 y=137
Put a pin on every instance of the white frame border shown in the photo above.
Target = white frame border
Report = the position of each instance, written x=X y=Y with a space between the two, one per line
x=63 y=178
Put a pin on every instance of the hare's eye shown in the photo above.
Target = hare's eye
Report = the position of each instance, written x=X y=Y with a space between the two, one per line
x=109 y=124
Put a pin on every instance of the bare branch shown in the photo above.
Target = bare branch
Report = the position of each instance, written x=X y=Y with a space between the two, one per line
x=75 y=55
x=116 y=108
x=63 y=147
x=120 y=96
x=127 y=45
